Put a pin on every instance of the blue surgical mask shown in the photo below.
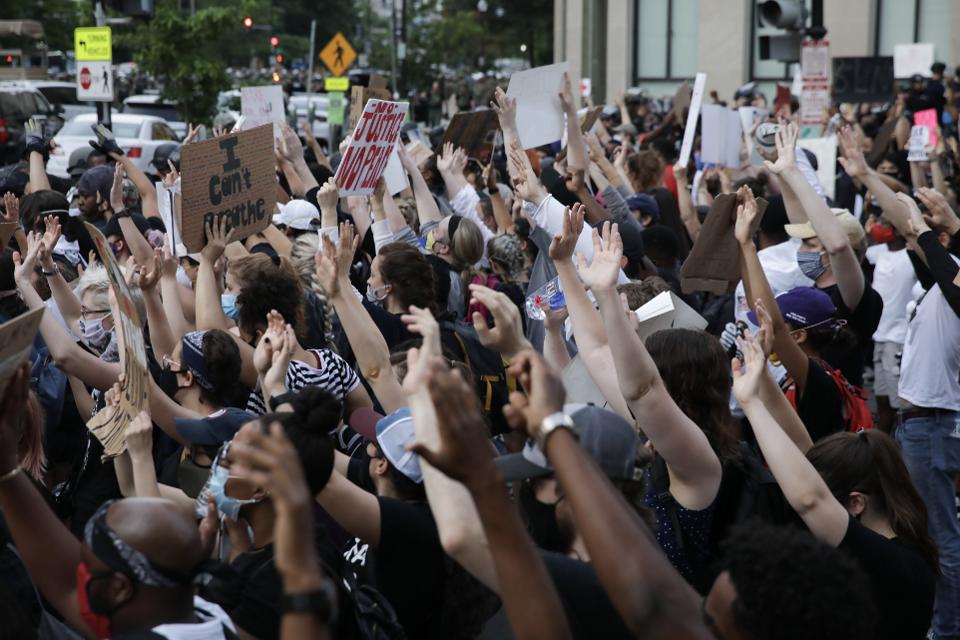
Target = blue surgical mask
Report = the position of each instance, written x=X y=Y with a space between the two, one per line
x=217 y=488
x=94 y=334
x=228 y=301
x=810 y=264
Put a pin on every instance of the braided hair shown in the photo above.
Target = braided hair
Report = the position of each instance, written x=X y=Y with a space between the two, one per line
x=302 y=256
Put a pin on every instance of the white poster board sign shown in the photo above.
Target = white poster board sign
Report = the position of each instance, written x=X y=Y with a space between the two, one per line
x=919 y=139
x=667 y=311
x=909 y=59
x=721 y=135
x=373 y=141
x=262 y=105
x=826 y=151
x=690 y=129
x=539 y=113
x=395 y=176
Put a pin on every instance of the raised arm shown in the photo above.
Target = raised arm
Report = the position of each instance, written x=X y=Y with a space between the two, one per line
x=802 y=486
x=37 y=145
x=529 y=597
x=500 y=211
x=291 y=149
x=427 y=209
x=162 y=338
x=506 y=109
x=67 y=302
x=138 y=245
x=170 y=290
x=693 y=466
x=576 y=149
x=650 y=596
x=855 y=165
x=688 y=213
x=843 y=260
x=942 y=264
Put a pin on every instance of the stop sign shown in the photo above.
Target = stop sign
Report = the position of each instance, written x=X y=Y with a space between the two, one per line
x=85 y=78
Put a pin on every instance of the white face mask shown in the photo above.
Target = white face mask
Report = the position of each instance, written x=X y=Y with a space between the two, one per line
x=373 y=297
x=94 y=334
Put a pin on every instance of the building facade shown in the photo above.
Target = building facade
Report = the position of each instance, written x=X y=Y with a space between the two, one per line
x=656 y=44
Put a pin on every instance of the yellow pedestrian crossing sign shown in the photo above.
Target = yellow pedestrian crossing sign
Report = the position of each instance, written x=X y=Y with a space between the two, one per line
x=338 y=55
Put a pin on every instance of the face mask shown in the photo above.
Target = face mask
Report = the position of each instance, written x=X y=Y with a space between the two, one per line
x=373 y=297
x=192 y=477
x=881 y=233
x=117 y=248
x=542 y=521
x=228 y=301
x=112 y=352
x=96 y=336
x=217 y=485
x=810 y=264
x=97 y=621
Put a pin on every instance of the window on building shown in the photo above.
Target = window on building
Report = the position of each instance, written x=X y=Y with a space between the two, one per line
x=665 y=39
x=907 y=21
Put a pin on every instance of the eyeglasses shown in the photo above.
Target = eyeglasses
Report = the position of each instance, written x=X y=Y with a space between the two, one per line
x=171 y=365
x=84 y=312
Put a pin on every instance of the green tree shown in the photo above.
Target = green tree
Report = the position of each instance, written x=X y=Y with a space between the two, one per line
x=183 y=53
x=59 y=18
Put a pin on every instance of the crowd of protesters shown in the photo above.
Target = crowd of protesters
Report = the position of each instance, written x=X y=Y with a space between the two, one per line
x=357 y=426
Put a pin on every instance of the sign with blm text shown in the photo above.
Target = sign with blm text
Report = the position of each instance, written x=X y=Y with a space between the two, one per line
x=372 y=142
x=862 y=80
x=233 y=176
x=110 y=425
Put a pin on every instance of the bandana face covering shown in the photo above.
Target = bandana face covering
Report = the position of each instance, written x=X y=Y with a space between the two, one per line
x=97 y=622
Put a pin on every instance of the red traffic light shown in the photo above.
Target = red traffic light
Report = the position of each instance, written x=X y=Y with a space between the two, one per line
x=248 y=22
x=274 y=41
x=280 y=58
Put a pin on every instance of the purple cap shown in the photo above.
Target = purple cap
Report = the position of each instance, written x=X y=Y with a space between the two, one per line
x=803 y=307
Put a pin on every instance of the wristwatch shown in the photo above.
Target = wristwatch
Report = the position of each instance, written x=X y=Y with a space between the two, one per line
x=551 y=423
x=322 y=602
x=283 y=398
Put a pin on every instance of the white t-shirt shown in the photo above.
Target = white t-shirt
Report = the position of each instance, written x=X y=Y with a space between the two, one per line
x=930 y=368
x=779 y=263
x=211 y=628
x=893 y=279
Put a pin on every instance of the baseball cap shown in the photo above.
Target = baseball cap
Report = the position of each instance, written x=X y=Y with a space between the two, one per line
x=645 y=204
x=298 y=214
x=851 y=226
x=803 y=307
x=394 y=433
x=217 y=428
x=94 y=179
x=364 y=421
x=765 y=135
x=610 y=440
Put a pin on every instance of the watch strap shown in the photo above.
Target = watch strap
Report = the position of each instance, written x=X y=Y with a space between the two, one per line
x=322 y=602
x=283 y=398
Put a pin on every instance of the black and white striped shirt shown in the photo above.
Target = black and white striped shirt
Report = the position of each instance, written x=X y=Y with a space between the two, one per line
x=332 y=373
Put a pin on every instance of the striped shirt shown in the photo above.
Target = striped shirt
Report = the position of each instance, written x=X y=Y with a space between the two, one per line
x=332 y=373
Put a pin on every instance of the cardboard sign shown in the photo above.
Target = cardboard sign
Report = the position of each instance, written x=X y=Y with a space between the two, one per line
x=109 y=425
x=681 y=101
x=667 y=311
x=928 y=118
x=475 y=131
x=7 y=229
x=165 y=205
x=539 y=113
x=689 y=130
x=16 y=340
x=370 y=148
x=720 y=135
x=826 y=151
x=910 y=59
x=419 y=152
x=862 y=80
x=714 y=262
x=589 y=118
x=233 y=176
x=262 y=105
x=919 y=139
x=360 y=96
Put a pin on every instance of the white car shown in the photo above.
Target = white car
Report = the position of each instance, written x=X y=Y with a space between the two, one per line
x=301 y=107
x=150 y=104
x=138 y=136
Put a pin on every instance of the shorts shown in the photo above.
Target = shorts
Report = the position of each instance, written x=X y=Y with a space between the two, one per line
x=886 y=370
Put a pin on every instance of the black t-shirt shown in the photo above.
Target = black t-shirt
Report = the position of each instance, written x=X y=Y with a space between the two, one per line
x=820 y=406
x=903 y=582
x=407 y=567
x=588 y=608
x=863 y=321
x=257 y=609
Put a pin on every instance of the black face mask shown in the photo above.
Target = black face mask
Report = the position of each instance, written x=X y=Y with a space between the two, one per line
x=542 y=521
x=167 y=381
x=192 y=476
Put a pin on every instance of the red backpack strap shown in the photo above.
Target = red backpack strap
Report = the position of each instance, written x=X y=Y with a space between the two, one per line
x=856 y=412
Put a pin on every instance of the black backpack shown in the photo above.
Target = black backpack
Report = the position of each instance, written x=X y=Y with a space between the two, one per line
x=372 y=614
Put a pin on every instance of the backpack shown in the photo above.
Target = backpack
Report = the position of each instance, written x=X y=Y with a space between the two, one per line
x=373 y=614
x=492 y=380
x=856 y=412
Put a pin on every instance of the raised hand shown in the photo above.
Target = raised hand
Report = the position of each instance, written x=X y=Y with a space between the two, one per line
x=150 y=277
x=34 y=136
x=545 y=393
x=851 y=158
x=328 y=272
x=489 y=177
x=506 y=337
x=748 y=373
x=566 y=95
x=562 y=246
x=288 y=144
x=594 y=148
x=219 y=234
x=505 y=108
x=421 y=321
x=680 y=173
x=464 y=453
x=285 y=343
x=170 y=180
x=602 y=273
x=764 y=336
x=329 y=195
x=786 y=142
x=11 y=205
x=23 y=270
x=139 y=438
x=51 y=235
x=446 y=158
x=105 y=141
x=192 y=133
x=918 y=225
x=748 y=216
x=116 y=190
x=942 y=214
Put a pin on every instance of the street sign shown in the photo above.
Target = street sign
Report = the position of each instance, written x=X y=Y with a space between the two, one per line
x=335 y=107
x=92 y=43
x=336 y=84
x=95 y=81
x=338 y=55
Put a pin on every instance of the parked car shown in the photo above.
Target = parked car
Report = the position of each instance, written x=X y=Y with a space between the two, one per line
x=63 y=97
x=18 y=103
x=152 y=105
x=138 y=136
x=301 y=107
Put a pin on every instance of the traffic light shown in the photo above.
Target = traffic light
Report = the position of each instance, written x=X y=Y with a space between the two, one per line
x=248 y=22
x=279 y=58
x=791 y=17
x=274 y=41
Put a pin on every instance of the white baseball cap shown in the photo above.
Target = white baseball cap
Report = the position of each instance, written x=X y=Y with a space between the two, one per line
x=298 y=214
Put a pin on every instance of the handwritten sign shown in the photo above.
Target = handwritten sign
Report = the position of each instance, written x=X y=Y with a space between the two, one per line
x=109 y=425
x=539 y=112
x=16 y=339
x=914 y=58
x=475 y=131
x=232 y=176
x=917 y=148
x=862 y=80
x=262 y=105
x=370 y=147
x=928 y=118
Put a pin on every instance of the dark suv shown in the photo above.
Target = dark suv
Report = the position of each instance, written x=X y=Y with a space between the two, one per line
x=19 y=103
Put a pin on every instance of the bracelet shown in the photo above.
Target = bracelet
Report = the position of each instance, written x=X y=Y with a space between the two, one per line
x=56 y=271
x=10 y=474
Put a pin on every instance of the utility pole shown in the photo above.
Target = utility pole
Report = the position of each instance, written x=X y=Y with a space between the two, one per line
x=313 y=55
x=104 y=109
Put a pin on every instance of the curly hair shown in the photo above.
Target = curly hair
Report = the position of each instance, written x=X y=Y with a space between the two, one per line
x=696 y=372
x=272 y=289
x=791 y=586
x=221 y=356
